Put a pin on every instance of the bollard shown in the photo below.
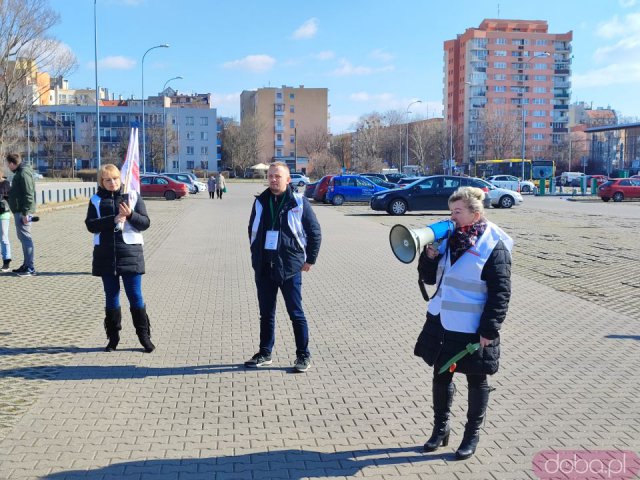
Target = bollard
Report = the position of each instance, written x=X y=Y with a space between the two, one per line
x=543 y=182
x=583 y=184
x=552 y=186
x=594 y=186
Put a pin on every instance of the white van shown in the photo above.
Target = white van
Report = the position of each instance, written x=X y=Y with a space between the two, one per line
x=571 y=178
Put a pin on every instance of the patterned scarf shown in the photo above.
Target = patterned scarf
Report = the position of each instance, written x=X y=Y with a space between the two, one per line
x=463 y=238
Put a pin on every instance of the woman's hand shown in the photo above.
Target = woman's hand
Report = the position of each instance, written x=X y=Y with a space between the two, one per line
x=484 y=341
x=124 y=210
x=430 y=251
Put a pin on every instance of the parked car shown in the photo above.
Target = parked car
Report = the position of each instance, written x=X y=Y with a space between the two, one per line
x=202 y=186
x=351 y=188
x=162 y=186
x=298 y=179
x=320 y=193
x=426 y=193
x=511 y=183
x=381 y=176
x=394 y=177
x=619 y=189
x=310 y=188
x=379 y=181
x=502 y=197
x=184 y=178
x=600 y=179
x=407 y=180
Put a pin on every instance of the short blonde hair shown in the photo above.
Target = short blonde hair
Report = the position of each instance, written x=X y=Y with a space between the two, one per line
x=280 y=164
x=473 y=198
x=108 y=168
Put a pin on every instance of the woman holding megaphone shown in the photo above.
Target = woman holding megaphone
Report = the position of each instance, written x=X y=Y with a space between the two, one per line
x=472 y=271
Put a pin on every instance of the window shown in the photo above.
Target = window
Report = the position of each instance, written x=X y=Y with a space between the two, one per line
x=279 y=122
x=292 y=139
x=160 y=181
x=500 y=88
x=500 y=76
x=204 y=121
x=278 y=152
x=499 y=65
x=538 y=136
x=84 y=118
x=175 y=165
x=204 y=135
x=500 y=101
x=189 y=150
x=539 y=113
x=292 y=109
x=146 y=180
x=292 y=96
x=539 y=125
x=539 y=101
x=189 y=164
x=204 y=150
x=190 y=135
x=292 y=123
x=279 y=95
x=189 y=120
x=540 y=66
x=500 y=53
x=204 y=165
x=541 y=42
x=540 y=89
x=540 y=78
x=279 y=137
x=501 y=41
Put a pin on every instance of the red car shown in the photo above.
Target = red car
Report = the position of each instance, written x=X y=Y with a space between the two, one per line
x=600 y=179
x=320 y=193
x=619 y=189
x=161 y=186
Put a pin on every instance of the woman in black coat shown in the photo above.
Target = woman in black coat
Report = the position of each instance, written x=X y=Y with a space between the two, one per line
x=117 y=222
x=472 y=270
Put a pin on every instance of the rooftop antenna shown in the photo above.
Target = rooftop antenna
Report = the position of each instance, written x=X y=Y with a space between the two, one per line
x=498 y=10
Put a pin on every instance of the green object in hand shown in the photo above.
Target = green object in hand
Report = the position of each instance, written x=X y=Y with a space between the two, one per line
x=471 y=348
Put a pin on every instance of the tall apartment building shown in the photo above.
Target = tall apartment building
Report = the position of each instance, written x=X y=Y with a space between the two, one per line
x=512 y=72
x=286 y=117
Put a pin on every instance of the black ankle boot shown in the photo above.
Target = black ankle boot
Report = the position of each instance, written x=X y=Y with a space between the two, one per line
x=442 y=400
x=143 y=328
x=478 y=400
x=112 y=325
x=5 y=265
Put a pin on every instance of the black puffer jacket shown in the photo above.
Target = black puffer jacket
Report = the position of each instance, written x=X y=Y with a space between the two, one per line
x=112 y=256
x=437 y=345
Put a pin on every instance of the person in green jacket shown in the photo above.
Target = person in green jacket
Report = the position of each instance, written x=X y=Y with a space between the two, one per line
x=22 y=201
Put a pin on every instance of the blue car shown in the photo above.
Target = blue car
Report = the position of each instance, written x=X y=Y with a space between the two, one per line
x=351 y=188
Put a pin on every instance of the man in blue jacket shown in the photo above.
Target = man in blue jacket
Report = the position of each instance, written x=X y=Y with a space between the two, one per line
x=285 y=240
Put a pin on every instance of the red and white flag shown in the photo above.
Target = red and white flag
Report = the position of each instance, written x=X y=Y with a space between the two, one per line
x=130 y=172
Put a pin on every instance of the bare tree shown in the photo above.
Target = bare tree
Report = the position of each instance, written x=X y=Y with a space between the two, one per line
x=501 y=130
x=367 y=141
x=323 y=163
x=241 y=144
x=426 y=141
x=313 y=143
x=392 y=137
x=26 y=51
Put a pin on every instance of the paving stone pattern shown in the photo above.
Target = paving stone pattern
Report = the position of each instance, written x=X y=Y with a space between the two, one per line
x=190 y=410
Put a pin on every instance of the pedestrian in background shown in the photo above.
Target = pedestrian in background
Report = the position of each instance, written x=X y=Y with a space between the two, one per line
x=5 y=221
x=118 y=253
x=221 y=185
x=285 y=240
x=22 y=202
x=472 y=269
x=211 y=186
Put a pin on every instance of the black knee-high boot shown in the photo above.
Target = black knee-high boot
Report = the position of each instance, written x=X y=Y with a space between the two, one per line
x=143 y=328
x=112 y=325
x=478 y=400
x=442 y=400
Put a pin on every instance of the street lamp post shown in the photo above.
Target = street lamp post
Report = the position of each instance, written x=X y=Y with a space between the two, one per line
x=144 y=142
x=164 y=117
x=541 y=55
x=95 y=66
x=407 y=145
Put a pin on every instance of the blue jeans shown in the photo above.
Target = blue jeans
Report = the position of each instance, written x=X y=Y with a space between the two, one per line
x=23 y=233
x=132 y=287
x=292 y=293
x=6 y=246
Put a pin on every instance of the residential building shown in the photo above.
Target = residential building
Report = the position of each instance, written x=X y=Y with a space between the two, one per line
x=61 y=94
x=511 y=73
x=582 y=114
x=63 y=136
x=286 y=117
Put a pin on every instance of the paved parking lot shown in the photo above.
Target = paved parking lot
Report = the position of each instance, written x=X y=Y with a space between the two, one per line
x=190 y=410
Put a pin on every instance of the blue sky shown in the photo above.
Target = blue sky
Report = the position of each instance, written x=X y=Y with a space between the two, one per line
x=372 y=55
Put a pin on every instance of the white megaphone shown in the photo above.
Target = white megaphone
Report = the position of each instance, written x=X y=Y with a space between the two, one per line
x=407 y=243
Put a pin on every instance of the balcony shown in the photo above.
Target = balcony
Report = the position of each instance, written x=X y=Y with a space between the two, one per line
x=562 y=71
x=279 y=143
x=561 y=107
x=279 y=128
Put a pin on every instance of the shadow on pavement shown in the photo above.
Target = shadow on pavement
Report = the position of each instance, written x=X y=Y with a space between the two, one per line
x=624 y=337
x=93 y=372
x=5 y=351
x=290 y=464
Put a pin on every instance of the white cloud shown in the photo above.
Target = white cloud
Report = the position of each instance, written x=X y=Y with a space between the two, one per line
x=117 y=62
x=252 y=63
x=381 y=55
x=307 y=30
x=627 y=3
x=628 y=26
x=614 y=74
x=325 y=55
x=347 y=69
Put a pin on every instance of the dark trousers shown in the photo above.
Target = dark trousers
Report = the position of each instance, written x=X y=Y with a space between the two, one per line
x=292 y=293
x=474 y=381
x=132 y=287
x=211 y=193
x=219 y=192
